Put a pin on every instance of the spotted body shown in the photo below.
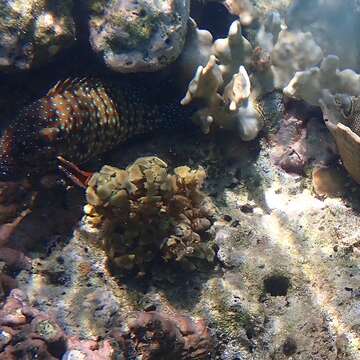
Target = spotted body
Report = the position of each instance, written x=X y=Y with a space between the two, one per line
x=349 y=107
x=78 y=120
x=354 y=115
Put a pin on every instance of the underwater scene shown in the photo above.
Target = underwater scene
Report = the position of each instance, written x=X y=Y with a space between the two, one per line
x=180 y=179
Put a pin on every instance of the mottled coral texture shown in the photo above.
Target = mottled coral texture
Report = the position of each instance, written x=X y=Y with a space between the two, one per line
x=144 y=212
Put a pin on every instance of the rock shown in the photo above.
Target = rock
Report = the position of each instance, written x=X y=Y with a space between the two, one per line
x=89 y=350
x=328 y=181
x=32 y=32
x=136 y=36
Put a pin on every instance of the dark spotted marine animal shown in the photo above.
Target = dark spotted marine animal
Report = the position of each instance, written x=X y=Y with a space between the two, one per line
x=349 y=107
x=78 y=120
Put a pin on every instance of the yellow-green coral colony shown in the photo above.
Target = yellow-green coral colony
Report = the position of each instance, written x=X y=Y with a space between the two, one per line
x=149 y=211
x=78 y=120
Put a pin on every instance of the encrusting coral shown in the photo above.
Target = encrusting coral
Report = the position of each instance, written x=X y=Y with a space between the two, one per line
x=144 y=211
x=25 y=331
x=158 y=335
x=28 y=333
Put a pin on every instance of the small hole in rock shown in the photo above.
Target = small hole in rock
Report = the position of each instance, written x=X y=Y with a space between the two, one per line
x=289 y=346
x=277 y=285
x=250 y=333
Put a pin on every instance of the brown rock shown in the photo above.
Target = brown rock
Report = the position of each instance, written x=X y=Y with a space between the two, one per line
x=328 y=181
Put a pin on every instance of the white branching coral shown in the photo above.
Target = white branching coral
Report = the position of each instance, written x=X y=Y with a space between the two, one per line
x=223 y=87
x=309 y=84
x=232 y=51
x=294 y=51
x=238 y=89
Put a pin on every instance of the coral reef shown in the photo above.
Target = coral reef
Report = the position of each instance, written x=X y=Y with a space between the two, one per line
x=251 y=10
x=134 y=36
x=144 y=211
x=196 y=52
x=273 y=268
x=32 y=32
x=26 y=332
x=332 y=83
x=285 y=280
x=334 y=90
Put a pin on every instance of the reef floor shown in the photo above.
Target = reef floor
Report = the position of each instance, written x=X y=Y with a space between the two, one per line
x=285 y=282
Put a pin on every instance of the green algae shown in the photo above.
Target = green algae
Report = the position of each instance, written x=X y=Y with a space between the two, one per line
x=47 y=330
x=139 y=31
x=228 y=318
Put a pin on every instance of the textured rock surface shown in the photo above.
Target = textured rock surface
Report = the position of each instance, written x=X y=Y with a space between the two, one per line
x=135 y=36
x=157 y=335
x=32 y=32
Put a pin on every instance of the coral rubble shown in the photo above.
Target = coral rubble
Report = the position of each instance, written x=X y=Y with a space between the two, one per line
x=144 y=211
